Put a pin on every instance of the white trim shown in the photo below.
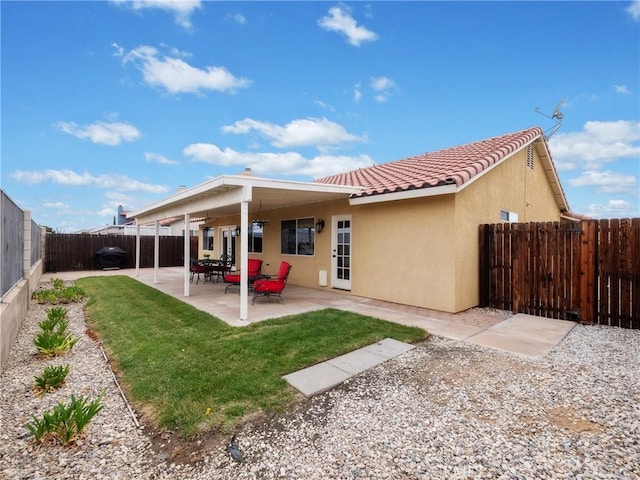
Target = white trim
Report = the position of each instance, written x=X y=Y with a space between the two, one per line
x=405 y=195
x=228 y=184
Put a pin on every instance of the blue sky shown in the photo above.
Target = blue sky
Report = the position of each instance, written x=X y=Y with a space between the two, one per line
x=121 y=102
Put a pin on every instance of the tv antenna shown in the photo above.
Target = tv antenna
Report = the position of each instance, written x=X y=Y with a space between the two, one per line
x=557 y=115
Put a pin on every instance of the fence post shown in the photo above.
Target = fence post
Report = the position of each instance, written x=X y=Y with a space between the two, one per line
x=26 y=246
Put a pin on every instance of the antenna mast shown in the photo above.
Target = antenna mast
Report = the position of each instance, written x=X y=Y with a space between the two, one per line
x=557 y=115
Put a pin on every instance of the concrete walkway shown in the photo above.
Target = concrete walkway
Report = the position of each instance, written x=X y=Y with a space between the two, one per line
x=521 y=334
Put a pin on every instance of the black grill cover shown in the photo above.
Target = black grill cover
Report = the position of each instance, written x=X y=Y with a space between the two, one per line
x=110 y=257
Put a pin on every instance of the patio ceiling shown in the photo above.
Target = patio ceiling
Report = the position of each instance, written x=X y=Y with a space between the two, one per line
x=222 y=195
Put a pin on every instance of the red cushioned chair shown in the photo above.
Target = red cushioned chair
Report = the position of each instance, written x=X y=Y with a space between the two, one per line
x=197 y=269
x=272 y=286
x=254 y=267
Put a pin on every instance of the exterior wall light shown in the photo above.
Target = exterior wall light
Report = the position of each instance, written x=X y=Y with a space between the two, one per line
x=319 y=225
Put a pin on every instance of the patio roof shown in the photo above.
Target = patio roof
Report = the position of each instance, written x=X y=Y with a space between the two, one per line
x=222 y=195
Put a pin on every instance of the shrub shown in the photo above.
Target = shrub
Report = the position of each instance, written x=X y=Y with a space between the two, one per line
x=59 y=293
x=53 y=377
x=56 y=313
x=65 y=422
x=55 y=341
x=71 y=294
x=45 y=296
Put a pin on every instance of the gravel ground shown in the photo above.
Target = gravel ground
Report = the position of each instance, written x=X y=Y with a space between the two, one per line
x=446 y=409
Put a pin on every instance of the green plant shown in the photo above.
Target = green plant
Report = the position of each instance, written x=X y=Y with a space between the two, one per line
x=71 y=294
x=52 y=377
x=45 y=296
x=65 y=421
x=55 y=319
x=59 y=293
x=56 y=313
x=56 y=341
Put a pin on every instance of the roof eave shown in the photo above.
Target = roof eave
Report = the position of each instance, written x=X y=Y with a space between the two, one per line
x=404 y=195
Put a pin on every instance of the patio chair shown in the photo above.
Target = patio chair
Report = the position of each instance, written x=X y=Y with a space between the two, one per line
x=218 y=268
x=254 y=267
x=272 y=286
x=197 y=269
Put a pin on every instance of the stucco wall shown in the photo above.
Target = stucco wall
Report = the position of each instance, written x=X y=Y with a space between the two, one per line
x=404 y=252
x=511 y=186
x=305 y=268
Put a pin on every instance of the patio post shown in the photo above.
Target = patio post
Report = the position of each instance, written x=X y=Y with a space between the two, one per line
x=137 y=248
x=156 y=252
x=244 y=252
x=187 y=253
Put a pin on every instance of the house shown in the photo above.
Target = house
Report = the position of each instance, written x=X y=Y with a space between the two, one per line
x=404 y=231
x=170 y=227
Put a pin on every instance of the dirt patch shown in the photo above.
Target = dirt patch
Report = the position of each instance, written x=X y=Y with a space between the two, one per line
x=568 y=419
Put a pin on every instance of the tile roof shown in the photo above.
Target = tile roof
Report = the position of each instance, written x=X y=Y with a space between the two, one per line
x=451 y=166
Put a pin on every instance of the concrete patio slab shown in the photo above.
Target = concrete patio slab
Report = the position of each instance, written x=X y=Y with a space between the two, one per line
x=526 y=335
x=317 y=379
x=388 y=348
x=357 y=361
x=323 y=376
x=434 y=326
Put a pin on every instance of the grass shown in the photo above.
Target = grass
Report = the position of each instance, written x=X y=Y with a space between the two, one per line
x=196 y=372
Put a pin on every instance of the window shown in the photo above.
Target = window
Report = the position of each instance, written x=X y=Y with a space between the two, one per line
x=255 y=238
x=297 y=237
x=207 y=238
x=507 y=216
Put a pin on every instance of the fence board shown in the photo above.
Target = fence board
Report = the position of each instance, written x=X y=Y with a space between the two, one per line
x=589 y=272
x=69 y=252
x=635 y=273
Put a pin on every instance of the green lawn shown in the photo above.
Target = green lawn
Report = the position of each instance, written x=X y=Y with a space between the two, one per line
x=196 y=372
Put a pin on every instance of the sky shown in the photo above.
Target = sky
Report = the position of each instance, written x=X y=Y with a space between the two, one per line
x=122 y=102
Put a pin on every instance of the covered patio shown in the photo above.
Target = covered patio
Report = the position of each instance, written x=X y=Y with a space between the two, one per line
x=229 y=196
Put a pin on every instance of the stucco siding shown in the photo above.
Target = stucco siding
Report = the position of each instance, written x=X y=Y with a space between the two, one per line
x=404 y=252
x=511 y=186
x=306 y=268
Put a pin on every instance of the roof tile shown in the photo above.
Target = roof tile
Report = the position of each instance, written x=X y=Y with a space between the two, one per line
x=454 y=165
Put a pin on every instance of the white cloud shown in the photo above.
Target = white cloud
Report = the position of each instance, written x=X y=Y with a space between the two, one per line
x=177 y=76
x=357 y=93
x=382 y=87
x=622 y=89
x=71 y=178
x=286 y=163
x=157 y=158
x=324 y=105
x=103 y=133
x=180 y=9
x=612 y=209
x=297 y=133
x=597 y=144
x=340 y=20
x=238 y=17
x=56 y=205
x=606 y=182
x=634 y=9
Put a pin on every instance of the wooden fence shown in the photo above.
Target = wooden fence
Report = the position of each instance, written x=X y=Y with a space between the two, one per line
x=67 y=252
x=587 y=271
